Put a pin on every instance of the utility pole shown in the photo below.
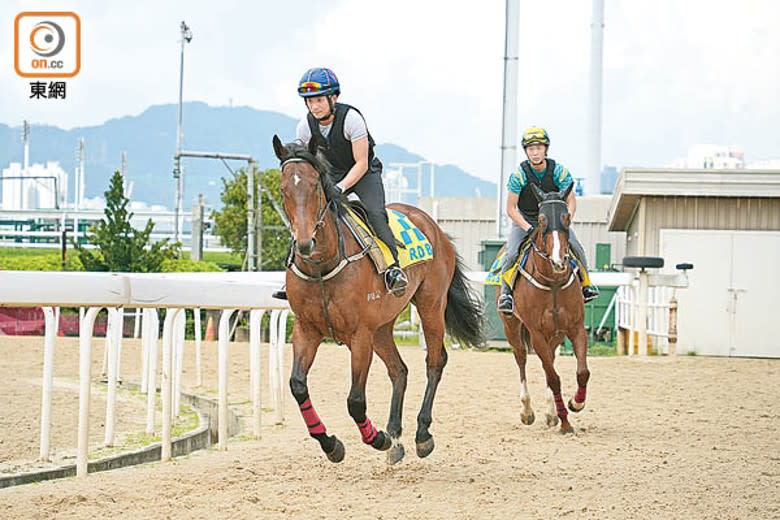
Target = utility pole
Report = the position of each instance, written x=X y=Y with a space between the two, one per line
x=509 y=125
x=178 y=175
x=593 y=173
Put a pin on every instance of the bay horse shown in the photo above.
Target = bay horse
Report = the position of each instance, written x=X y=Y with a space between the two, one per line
x=335 y=291
x=549 y=307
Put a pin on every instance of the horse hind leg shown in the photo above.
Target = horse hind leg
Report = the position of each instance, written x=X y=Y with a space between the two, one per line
x=435 y=360
x=385 y=348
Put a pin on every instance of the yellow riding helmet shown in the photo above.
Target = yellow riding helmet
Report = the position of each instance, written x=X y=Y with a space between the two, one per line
x=534 y=135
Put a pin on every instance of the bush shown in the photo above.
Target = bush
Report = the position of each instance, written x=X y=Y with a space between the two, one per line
x=40 y=262
x=182 y=265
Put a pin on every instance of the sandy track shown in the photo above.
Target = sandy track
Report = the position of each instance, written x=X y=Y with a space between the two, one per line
x=660 y=438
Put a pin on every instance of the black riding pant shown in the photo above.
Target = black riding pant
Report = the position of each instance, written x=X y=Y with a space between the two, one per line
x=372 y=194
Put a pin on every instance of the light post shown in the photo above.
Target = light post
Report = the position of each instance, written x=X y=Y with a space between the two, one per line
x=186 y=37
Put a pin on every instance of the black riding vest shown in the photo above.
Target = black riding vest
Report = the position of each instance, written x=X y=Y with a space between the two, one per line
x=337 y=149
x=527 y=203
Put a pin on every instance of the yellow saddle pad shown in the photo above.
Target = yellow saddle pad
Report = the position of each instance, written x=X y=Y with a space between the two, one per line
x=415 y=246
x=494 y=273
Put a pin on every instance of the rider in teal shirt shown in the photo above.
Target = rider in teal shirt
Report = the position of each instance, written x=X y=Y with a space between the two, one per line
x=522 y=208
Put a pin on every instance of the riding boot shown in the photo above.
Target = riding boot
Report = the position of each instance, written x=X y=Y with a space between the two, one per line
x=280 y=294
x=396 y=280
x=589 y=291
x=506 y=303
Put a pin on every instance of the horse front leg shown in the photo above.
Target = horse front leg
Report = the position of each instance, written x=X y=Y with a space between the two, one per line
x=580 y=346
x=304 y=349
x=385 y=348
x=517 y=335
x=546 y=353
x=356 y=401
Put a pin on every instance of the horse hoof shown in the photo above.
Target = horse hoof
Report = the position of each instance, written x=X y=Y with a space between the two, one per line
x=575 y=407
x=425 y=448
x=528 y=419
x=382 y=441
x=337 y=453
x=567 y=431
x=395 y=454
x=552 y=420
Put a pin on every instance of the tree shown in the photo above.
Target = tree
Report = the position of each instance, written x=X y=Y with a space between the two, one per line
x=230 y=223
x=118 y=246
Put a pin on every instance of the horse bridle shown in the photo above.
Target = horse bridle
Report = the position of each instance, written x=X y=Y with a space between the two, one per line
x=321 y=214
x=537 y=249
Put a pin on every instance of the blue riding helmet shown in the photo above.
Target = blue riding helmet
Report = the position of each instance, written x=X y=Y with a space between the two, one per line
x=318 y=81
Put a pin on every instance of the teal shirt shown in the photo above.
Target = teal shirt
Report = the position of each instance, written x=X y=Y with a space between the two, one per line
x=518 y=180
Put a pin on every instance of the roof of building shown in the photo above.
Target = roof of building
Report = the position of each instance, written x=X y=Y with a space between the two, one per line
x=634 y=183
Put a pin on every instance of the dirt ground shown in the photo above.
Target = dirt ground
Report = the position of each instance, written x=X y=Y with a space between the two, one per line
x=685 y=437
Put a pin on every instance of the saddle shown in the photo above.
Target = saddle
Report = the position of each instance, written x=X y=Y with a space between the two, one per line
x=413 y=246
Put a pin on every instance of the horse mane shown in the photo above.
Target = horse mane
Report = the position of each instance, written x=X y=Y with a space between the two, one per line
x=318 y=161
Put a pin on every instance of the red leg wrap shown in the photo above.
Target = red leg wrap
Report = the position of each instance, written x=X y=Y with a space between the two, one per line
x=367 y=431
x=559 y=406
x=579 y=397
x=311 y=418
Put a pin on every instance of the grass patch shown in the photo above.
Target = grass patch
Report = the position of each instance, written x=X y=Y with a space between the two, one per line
x=602 y=349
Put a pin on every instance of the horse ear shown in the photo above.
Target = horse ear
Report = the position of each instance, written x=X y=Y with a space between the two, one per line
x=538 y=194
x=279 y=149
x=313 y=147
x=566 y=192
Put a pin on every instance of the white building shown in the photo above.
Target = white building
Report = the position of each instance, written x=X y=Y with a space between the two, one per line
x=711 y=157
x=768 y=164
x=37 y=187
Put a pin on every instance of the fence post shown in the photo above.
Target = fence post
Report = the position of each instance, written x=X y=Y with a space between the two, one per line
x=673 y=326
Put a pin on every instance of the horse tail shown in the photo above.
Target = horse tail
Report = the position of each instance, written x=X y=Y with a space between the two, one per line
x=464 y=316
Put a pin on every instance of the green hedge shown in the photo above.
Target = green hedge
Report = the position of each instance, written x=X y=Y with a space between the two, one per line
x=44 y=262
x=10 y=261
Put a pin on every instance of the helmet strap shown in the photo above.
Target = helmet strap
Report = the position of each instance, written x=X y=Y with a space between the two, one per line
x=330 y=105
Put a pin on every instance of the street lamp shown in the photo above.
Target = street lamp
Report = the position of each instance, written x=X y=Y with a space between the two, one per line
x=186 y=37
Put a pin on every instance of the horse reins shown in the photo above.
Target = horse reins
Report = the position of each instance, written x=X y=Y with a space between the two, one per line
x=341 y=254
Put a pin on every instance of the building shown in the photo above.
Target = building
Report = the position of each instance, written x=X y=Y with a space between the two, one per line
x=609 y=176
x=711 y=156
x=727 y=224
x=36 y=187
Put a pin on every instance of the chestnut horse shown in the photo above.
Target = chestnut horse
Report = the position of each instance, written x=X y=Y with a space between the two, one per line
x=335 y=291
x=548 y=307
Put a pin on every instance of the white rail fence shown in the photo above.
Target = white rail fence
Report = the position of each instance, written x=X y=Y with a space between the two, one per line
x=229 y=292
x=174 y=292
x=647 y=308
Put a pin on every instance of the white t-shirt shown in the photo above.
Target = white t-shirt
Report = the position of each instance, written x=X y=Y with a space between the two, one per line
x=354 y=128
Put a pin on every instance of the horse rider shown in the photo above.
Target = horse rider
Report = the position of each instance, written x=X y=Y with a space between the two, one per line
x=522 y=208
x=341 y=131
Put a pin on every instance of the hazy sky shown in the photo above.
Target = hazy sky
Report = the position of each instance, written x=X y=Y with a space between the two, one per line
x=427 y=74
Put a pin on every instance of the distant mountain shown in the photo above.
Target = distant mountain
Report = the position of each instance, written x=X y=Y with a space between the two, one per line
x=150 y=141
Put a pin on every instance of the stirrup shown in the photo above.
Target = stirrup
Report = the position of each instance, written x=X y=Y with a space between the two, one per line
x=590 y=293
x=395 y=280
x=506 y=304
x=280 y=294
